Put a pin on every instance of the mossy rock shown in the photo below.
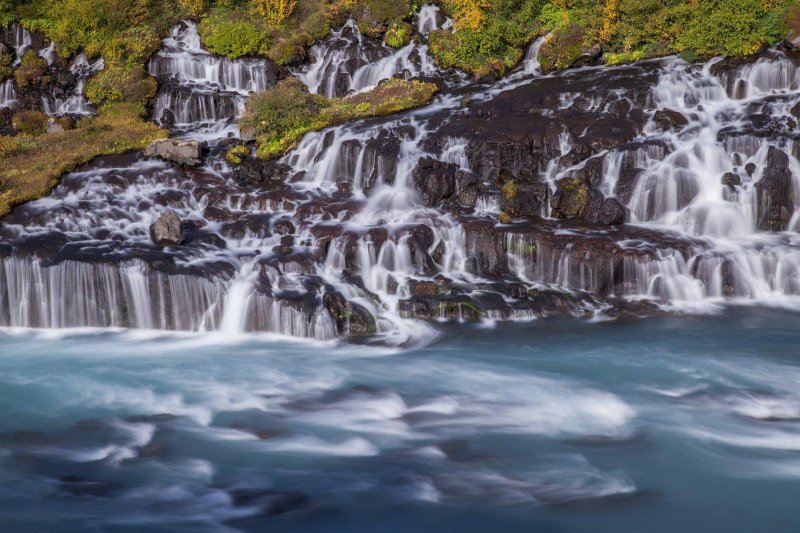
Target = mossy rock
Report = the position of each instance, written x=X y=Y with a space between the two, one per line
x=118 y=83
x=31 y=71
x=562 y=48
x=33 y=123
x=570 y=199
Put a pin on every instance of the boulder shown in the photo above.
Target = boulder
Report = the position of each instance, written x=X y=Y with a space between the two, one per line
x=774 y=193
x=524 y=199
x=670 y=120
x=166 y=230
x=570 y=199
x=350 y=318
x=184 y=153
x=613 y=212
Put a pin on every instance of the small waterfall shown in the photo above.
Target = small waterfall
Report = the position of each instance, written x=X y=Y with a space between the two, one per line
x=8 y=94
x=49 y=53
x=349 y=62
x=76 y=103
x=19 y=39
x=200 y=91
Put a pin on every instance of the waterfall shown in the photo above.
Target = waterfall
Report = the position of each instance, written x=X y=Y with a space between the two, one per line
x=19 y=39
x=366 y=226
x=203 y=93
x=76 y=103
x=8 y=94
x=348 y=62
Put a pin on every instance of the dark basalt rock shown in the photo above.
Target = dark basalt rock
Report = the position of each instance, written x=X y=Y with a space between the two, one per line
x=670 y=120
x=571 y=199
x=613 y=212
x=264 y=173
x=435 y=180
x=423 y=289
x=350 y=318
x=167 y=230
x=486 y=256
x=525 y=200
x=731 y=180
x=774 y=193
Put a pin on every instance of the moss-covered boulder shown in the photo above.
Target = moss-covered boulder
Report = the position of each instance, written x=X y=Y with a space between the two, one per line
x=31 y=71
x=119 y=83
x=570 y=199
x=33 y=123
x=566 y=47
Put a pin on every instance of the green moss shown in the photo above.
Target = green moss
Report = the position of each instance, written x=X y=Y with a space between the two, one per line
x=509 y=190
x=33 y=123
x=30 y=167
x=505 y=218
x=31 y=70
x=281 y=116
x=121 y=84
x=399 y=35
x=6 y=70
x=236 y=154
x=234 y=34
x=562 y=48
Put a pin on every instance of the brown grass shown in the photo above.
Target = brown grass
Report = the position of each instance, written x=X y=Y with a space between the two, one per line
x=30 y=167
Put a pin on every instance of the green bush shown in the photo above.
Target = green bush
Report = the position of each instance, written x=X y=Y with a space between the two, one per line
x=233 y=36
x=399 y=35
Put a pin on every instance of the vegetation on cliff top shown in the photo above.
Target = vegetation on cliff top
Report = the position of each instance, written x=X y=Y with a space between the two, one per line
x=31 y=164
x=279 y=118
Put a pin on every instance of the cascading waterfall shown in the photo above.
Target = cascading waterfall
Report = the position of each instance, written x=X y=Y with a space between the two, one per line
x=19 y=39
x=8 y=94
x=354 y=243
x=349 y=62
x=76 y=103
x=200 y=92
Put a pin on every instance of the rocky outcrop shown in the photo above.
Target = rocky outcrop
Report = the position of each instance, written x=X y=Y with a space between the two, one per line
x=166 y=230
x=774 y=192
x=182 y=153
x=435 y=181
x=351 y=318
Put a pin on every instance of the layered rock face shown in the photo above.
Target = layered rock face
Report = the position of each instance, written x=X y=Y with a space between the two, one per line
x=602 y=191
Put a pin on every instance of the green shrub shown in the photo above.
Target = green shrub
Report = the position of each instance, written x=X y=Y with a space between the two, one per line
x=233 y=36
x=399 y=35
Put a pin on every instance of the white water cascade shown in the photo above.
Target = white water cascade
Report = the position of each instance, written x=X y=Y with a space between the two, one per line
x=365 y=227
x=202 y=92
x=349 y=62
x=76 y=103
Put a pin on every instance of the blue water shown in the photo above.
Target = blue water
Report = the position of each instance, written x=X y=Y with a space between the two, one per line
x=667 y=424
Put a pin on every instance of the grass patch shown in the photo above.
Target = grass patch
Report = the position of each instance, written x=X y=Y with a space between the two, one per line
x=280 y=117
x=31 y=166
